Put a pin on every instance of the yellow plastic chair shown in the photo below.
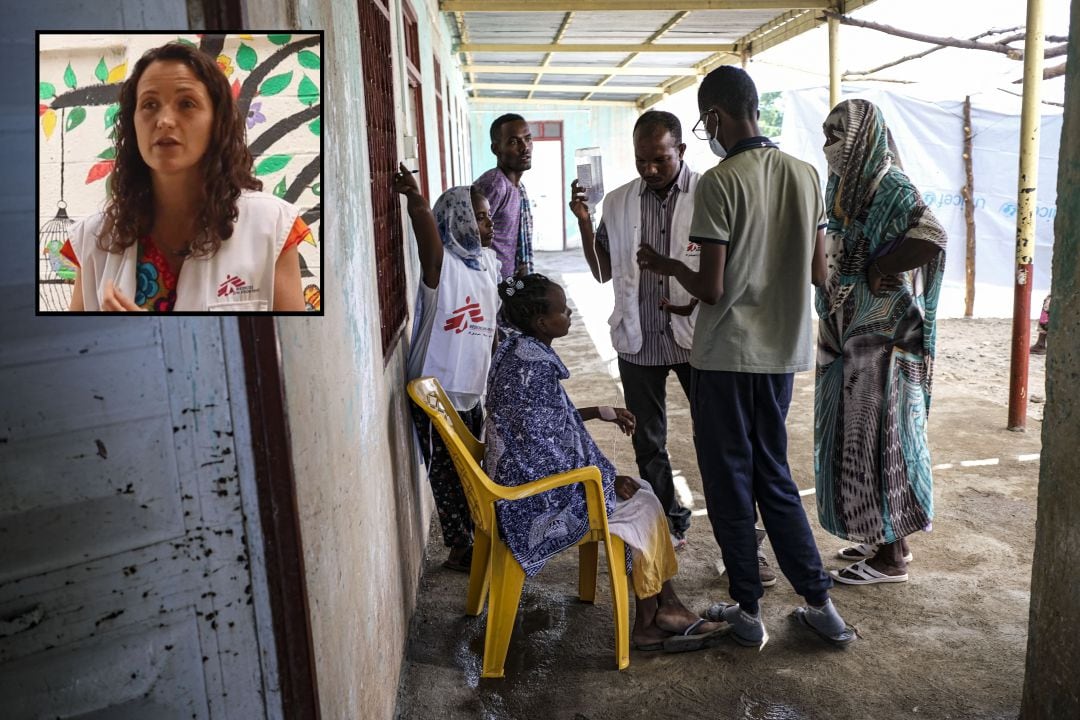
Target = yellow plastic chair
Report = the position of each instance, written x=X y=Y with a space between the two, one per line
x=494 y=572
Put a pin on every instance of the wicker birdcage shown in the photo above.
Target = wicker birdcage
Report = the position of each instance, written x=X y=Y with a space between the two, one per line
x=56 y=275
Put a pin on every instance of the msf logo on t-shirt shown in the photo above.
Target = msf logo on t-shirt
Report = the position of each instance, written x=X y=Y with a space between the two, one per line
x=692 y=249
x=459 y=319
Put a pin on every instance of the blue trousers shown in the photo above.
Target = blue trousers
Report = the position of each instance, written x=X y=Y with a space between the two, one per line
x=742 y=454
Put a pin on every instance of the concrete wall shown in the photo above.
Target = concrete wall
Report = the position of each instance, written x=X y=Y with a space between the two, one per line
x=1050 y=686
x=363 y=500
x=79 y=81
x=608 y=127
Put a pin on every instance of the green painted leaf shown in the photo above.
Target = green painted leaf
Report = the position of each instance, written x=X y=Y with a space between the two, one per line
x=246 y=58
x=46 y=91
x=309 y=92
x=279 y=189
x=101 y=72
x=108 y=153
x=69 y=77
x=317 y=189
x=75 y=118
x=272 y=164
x=316 y=126
x=278 y=39
x=186 y=42
x=110 y=114
x=276 y=84
x=309 y=59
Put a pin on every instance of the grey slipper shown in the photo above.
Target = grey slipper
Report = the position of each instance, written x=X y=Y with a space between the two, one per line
x=842 y=639
x=748 y=630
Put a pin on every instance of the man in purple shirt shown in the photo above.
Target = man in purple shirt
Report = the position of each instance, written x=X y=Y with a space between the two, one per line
x=511 y=143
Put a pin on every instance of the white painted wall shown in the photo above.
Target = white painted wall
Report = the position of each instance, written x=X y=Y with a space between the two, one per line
x=363 y=499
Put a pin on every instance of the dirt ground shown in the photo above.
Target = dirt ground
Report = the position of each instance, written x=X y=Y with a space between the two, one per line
x=949 y=643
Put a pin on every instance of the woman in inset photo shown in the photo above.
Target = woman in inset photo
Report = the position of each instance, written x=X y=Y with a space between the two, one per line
x=187 y=227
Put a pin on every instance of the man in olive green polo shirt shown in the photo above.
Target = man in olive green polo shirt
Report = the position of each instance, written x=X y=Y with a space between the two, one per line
x=758 y=216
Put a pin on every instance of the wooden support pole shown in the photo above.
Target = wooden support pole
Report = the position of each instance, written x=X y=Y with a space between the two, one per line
x=1025 y=215
x=834 y=61
x=969 y=213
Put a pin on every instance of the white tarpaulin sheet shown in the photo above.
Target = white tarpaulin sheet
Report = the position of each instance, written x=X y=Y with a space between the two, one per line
x=930 y=139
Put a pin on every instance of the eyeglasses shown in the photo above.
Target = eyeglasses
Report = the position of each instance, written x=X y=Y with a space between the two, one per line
x=700 y=131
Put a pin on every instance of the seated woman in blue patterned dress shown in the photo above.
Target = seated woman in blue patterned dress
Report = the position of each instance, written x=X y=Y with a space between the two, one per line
x=533 y=430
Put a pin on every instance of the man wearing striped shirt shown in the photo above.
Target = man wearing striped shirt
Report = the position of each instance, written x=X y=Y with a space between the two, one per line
x=652 y=327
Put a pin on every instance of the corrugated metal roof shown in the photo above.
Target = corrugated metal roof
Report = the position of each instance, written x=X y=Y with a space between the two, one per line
x=646 y=38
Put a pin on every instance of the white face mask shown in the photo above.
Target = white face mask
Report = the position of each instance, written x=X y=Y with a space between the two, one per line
x=834 y=156
x=714 y=143
x=718 y=150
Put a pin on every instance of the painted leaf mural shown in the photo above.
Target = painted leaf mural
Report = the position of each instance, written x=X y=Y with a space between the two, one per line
x=101 y=72
x=276 y=84
x=246 y=58
x=316 y=126
x=117 y=74
x=110 y=114
x=99 y=170
x=272 y=164
x=48 y=122
x=69 y=77
x=74 y=118
x=308 y=59
x=279 y=189
x=279 y=39
x=46 y=91
x=308 y=92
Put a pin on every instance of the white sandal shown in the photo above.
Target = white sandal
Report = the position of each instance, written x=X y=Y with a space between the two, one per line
x=865 y=575
x=862 y=551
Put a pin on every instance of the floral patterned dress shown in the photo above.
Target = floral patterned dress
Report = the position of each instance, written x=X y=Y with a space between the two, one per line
x=533 y=430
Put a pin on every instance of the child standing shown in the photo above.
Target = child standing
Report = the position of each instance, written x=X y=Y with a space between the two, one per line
x=453 y=334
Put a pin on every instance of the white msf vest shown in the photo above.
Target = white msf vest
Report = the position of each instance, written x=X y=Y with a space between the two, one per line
x=459 y=350
x=622 y=218
x=239 y=277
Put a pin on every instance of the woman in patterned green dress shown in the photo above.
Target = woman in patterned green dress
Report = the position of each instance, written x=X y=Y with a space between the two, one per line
x=876 y=336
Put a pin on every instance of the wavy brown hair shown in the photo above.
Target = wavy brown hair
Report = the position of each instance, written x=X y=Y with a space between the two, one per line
x=226 y=165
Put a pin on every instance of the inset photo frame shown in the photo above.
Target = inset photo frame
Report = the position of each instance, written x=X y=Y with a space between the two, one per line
x=179 y=172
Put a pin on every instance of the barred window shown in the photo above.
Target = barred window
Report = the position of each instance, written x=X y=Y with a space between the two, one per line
x=376 y=61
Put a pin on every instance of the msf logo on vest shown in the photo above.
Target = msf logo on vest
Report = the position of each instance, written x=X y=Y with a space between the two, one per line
x=459 y=319
x=234 y=285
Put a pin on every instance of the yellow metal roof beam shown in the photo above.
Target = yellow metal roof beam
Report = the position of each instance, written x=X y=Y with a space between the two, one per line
x=755 y=42
x=578 y=70
x=511 y=103
x=612 y=89
x=465 y=47
x=672 y=22
x=558 y=38
x=627 y=5
x=463 y=34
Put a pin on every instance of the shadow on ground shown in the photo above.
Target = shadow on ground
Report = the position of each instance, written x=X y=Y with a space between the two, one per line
x=949 y=643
